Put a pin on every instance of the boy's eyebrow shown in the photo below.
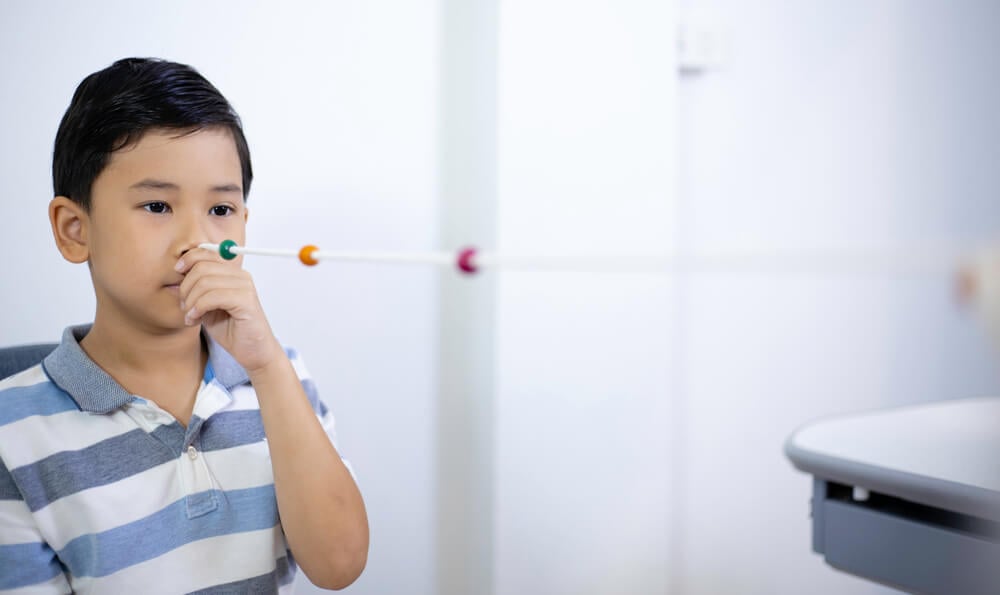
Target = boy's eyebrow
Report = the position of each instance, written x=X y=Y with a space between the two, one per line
x=152 y=184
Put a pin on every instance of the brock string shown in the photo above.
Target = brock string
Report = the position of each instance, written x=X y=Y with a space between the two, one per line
x=471 y=260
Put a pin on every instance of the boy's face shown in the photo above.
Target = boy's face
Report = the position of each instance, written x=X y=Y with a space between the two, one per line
x=154 y=201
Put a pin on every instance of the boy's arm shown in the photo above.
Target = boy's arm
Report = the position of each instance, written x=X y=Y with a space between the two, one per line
x=321 y=508
x=322 y=513
x=27 y=563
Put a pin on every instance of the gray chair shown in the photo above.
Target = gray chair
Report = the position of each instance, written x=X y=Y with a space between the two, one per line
x=21 y=357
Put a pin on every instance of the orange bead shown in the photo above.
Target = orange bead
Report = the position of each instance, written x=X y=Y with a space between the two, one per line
x=306 y=255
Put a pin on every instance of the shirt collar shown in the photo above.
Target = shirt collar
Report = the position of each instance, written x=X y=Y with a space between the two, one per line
x=227 y=371
x=95 y=391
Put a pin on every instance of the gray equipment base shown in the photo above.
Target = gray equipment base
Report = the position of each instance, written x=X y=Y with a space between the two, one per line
x=908 y=546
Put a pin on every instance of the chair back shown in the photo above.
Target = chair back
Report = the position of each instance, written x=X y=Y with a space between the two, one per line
x=16 y=358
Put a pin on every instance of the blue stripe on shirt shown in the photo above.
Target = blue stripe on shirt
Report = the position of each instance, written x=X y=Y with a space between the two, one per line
x=43 y=398
x=172 y=435
x=232 y=428
x=104 y=553
x=8 y=489
x=265 y=583
x=24 y=564
x=309 y=387
x=102 y=463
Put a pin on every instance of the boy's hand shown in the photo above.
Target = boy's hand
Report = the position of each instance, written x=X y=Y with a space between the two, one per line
x=222 y=298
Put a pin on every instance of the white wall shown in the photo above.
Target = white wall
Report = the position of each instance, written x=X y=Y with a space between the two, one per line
x=834 y=126
x=586 y=137
x=339 y=103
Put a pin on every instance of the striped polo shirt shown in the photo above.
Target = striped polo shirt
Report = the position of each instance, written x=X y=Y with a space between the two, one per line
x=101 y=491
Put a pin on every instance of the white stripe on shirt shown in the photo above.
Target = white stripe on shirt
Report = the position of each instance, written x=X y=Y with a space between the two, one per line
x=222 y=559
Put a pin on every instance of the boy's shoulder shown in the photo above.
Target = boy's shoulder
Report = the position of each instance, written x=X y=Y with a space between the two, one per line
x=26 y=377
x=29 y=393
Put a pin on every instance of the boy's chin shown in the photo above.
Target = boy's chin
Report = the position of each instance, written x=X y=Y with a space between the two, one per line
x=170 y=323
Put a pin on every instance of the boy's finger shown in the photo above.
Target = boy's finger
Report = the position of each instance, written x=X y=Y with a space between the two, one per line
x=198 y=269
x=195 y=255
x=212 y=274
x=192 y=289
x=226 y=299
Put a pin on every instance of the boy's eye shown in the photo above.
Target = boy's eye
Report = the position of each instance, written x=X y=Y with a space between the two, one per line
x=222 y=210
x=156 y=207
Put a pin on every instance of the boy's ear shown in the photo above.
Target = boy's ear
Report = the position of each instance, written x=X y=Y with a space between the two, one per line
x=70 y=224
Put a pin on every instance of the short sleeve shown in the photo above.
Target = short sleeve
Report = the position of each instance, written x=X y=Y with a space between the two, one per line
x=323 y=413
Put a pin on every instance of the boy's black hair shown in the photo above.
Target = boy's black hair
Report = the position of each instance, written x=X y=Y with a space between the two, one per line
x=114 y=107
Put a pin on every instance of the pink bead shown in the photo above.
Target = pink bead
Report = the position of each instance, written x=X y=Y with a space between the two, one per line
x=464 y=261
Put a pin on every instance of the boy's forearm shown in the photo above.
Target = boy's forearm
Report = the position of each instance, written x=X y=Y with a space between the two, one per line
x=322 y=513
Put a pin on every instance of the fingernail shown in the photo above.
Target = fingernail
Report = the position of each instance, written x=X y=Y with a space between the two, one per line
x=179 y=266
x=182 y=305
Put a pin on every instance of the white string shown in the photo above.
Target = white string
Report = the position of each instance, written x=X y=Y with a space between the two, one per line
x=909 y=262
x=434 y=258
x=258 y=251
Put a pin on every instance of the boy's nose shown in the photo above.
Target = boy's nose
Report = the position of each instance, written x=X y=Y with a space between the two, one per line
x=190 y=234
x=191 y=245
x=188 y=241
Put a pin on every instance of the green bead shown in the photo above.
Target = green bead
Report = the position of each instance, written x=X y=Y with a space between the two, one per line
x=225 y=249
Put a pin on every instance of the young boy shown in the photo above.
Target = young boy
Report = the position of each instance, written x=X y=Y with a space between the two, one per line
x=173 y=445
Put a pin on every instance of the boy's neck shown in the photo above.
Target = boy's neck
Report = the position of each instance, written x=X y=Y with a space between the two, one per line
x=163 y=367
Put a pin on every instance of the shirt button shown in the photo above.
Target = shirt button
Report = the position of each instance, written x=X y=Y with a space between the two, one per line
x=150 y=415
x=192 y=453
